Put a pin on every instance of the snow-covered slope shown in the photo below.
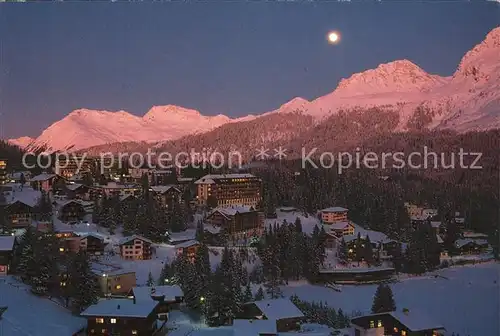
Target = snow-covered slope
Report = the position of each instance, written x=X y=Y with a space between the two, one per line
x=468 y=100
x=21 y=142
x=85 y=128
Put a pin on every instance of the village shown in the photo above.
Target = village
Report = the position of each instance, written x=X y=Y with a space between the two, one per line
x=141 y=271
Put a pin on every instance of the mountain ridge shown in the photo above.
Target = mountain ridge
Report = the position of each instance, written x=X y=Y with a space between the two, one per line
x=467 y=100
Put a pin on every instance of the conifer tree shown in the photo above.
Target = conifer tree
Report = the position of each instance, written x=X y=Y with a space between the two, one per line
x=167 y=274
x=383 y=301
x=343 y=252
x=368 y=251
x=82 y=285
x=248 y=297
x=259 y=295
x=150 y=282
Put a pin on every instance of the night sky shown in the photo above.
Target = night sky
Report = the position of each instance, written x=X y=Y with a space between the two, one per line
x=232 y=58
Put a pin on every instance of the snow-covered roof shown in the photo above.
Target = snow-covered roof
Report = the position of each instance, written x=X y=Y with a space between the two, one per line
x=109 y=270
x=254 y=327
x=334 y=209
x=7 y=243
x=416 y=321
x=211 y=178
x=121 y=307
x=186 y=235
x=462 y=242
x=164 y=188
x=471 y=235
x=16 y=200
x=133 y=237
x=124 y=197
x=439 y=239
x=338 y=225
x=187 y=244
x=73 y=186
x=42 y=177
x=212 y=229
x=375 y=236
x=19 y=321
x=277 y=309
x=232 y=210
x=145 y=293
x=89 y=234
x=185 y=179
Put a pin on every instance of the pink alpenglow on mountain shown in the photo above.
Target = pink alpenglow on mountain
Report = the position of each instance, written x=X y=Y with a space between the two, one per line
x=21 y=142
x=467 y=100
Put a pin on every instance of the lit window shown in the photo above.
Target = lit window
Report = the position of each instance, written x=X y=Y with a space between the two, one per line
x=372 y=324
x=63 y=284
x=379 y=324
x=134 y=332
x=395 y=329
x=103 y=331
x=99 y=320
x=403 y=333
x=61 y=249
x=113 y=321
x=118 y=286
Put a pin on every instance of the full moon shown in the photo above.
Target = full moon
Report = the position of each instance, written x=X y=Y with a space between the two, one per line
x=333 y=37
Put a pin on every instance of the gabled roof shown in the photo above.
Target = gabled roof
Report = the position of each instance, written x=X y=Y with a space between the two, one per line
x=7 y=243
x=83 y=235
x=17 y=201
x=334 y=209
x=414 y=321
x=462 y=242
x=254 y=327
x=74 y=186
x=232 y=210
x=187 y=244
x=133 y=237
x=145 y=293
x=121 y=307
x=338 y=225
x=42 y=177
x=163 y=189
x=277 y=309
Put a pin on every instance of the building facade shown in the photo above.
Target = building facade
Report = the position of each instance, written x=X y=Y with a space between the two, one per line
x=135 y=248
x=3 y=171
x=69 y=165
x=230 y=189
x=237 y=221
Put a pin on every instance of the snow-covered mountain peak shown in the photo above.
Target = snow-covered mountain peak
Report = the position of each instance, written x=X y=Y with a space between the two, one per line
x=396 y=76
x=21 y=142
x=170 y=111
x=297 y=103
x=483 y=61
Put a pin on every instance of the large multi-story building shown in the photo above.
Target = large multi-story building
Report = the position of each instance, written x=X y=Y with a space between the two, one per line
x=3 y=171
x=69 y=165
x=230 y=189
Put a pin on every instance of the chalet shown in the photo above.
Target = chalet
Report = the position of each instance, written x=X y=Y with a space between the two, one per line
x=167 y=297
x=90 y=242
x=396 y=324
x=471 y=246
x=116 y=189
x=413 y=209
x=19 y=214
x=237 y=221
x=255 y=327
x=333 y=215
x=189 y=248
x=340 y=229
x=43 y=182
x=287 y=316
x=429 y=213
x=78 y=191
x=167 y=196
x=7 y=245
x=121 y=317
x=71 y=211
x=135 y=248
x=114 y=280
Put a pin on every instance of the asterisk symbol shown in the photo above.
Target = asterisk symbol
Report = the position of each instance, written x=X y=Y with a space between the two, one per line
x=262 y=153
x=280 y=153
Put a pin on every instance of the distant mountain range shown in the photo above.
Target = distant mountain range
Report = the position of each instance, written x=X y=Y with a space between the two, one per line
x=396 y=96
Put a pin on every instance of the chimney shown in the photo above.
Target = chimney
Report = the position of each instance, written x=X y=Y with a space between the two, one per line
x=118 y=307
x=134 y=300
x=406 y=311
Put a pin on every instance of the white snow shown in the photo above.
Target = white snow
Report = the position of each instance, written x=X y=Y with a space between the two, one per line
x=277 y=309
x=28 y=315
x=121 y=307
x=7 y=243
x=144 y=293
x=254 y=327
x=465 y=301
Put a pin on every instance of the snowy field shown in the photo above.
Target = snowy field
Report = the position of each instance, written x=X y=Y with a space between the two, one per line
x=467 y=302
x=28 y=315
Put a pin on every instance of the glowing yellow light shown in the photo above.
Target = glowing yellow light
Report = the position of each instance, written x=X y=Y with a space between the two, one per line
x=333 y=37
